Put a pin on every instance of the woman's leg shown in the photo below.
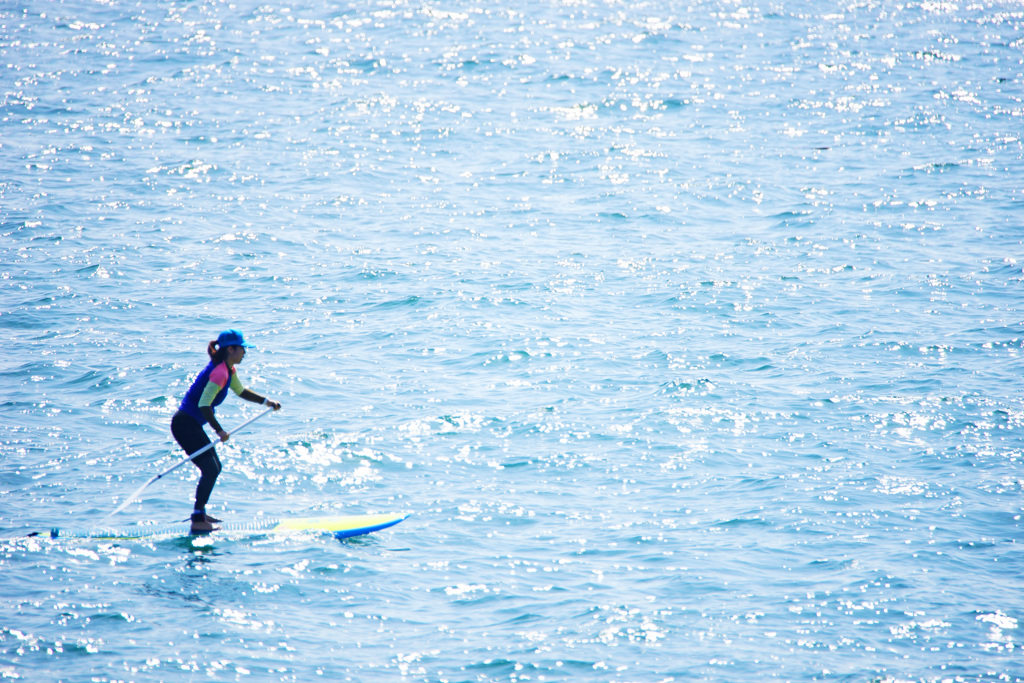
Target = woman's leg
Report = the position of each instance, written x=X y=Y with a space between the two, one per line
x=209 y=464
x=191 y=436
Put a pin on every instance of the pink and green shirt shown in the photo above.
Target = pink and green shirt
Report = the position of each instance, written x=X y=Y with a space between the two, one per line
x=210 y=389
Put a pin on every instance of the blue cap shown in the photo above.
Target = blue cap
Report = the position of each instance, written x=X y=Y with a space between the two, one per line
x=232 y=338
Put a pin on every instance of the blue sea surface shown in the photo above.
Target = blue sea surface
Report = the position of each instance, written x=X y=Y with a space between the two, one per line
x=691 y=335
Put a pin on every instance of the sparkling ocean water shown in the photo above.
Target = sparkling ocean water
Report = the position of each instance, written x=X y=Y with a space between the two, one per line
x=690 y=334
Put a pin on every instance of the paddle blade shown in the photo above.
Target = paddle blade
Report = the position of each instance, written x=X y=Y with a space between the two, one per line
x=131 y=499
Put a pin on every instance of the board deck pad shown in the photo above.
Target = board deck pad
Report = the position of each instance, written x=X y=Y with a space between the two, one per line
x=339 y=527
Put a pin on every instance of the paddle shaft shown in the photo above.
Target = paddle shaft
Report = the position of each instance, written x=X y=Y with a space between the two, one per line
x=178 y=464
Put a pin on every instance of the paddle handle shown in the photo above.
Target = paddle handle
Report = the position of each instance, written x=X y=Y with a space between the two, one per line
x=131 y=499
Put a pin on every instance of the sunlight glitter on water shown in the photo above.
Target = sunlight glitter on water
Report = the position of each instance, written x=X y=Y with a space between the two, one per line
x=688 y=334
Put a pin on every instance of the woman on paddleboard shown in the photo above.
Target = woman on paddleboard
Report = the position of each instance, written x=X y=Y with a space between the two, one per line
x=207 y=392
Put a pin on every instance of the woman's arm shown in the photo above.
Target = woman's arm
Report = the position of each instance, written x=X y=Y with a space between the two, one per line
x=253 y=397
x=207 y=412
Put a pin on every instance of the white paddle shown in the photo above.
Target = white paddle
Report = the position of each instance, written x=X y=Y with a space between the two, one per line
x=178 y=464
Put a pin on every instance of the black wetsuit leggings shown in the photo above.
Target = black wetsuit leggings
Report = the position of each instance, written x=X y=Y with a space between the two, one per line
x=190 y=436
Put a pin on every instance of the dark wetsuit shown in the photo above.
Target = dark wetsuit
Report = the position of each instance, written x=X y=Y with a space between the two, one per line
x=209 y=389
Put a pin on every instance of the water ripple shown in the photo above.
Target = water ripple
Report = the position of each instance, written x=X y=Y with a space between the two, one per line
x=689 y=335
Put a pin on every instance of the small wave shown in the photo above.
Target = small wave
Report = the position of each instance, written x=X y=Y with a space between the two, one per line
x=697 y=386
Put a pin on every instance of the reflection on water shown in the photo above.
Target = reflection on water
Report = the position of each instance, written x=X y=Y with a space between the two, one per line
x=689 y=334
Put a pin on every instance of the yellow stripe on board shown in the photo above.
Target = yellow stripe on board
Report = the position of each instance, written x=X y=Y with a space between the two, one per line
x=347 y=523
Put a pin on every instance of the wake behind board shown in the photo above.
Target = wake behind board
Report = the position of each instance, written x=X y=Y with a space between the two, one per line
x=339 y=527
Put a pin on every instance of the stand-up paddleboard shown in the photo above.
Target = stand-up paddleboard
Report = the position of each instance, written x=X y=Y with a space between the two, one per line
x=339 y=527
